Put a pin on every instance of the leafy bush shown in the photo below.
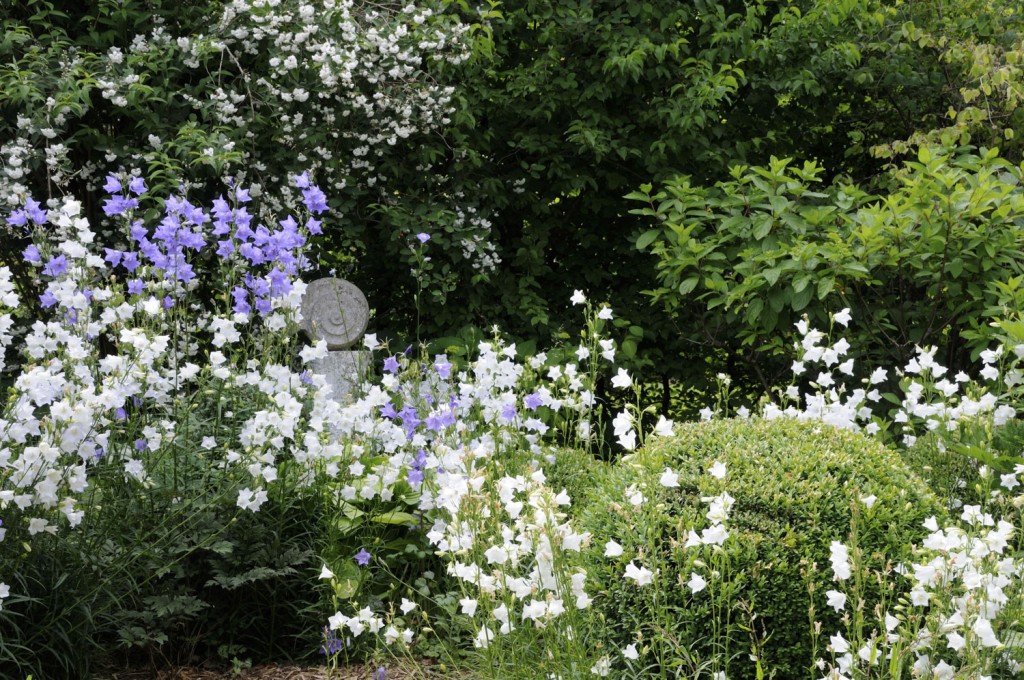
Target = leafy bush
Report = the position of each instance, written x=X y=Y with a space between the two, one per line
x=797 y=488
x=930 y=261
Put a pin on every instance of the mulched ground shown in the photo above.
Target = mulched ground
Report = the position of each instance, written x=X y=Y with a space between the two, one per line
x=277 y=672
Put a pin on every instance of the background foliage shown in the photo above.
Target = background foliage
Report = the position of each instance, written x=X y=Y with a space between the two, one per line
x=934 y=261
x=514 y=143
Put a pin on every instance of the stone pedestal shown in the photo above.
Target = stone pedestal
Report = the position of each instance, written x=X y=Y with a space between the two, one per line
x=344 y=370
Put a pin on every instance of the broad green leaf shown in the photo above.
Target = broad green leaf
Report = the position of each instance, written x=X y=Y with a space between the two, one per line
x=688 y=285
x=754 y=311
x=647 y=238
x=346 y=581
x=825 y=287
x=802 y=298
x=395 y=517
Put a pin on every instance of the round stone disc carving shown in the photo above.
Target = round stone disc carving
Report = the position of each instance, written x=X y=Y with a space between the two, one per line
x=334 y=310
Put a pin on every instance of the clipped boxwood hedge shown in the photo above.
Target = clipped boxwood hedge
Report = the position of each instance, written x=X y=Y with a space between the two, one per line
x=578 y=472
x=794 y=485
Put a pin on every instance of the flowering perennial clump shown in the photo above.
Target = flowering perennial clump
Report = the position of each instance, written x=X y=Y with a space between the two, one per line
x=104 y=371
x=964 y=585
x=929 y=401
x=470 y=442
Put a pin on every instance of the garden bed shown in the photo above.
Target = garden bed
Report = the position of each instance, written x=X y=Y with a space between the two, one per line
x=286 y=672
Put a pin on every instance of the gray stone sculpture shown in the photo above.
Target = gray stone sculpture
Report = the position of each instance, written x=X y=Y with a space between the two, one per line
x=336 y=311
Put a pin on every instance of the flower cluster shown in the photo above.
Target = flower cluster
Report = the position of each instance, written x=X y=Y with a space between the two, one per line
x=522 y=574
x=929 y=401
x=965 y=582
x=101 y=381
x=472 y=443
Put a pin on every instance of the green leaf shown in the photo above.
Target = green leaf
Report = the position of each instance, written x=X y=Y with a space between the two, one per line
x=350 y=510
x=445 y=344
x=647 y=238
x=754 y=310
x=688 y=285
x=763 y=224
x=1002 y=464
x=395 y=517
x=347 y=526
x=825 y=287
x=801 y=298
x=346 y=581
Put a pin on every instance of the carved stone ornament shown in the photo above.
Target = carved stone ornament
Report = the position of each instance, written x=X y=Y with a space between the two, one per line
x=334 y=310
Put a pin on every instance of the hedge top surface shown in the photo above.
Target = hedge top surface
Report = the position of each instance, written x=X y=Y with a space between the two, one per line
x=792 y=465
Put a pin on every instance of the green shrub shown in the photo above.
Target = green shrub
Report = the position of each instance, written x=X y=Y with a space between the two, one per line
x=929 y=260
x=579 y=473
x=796 y=487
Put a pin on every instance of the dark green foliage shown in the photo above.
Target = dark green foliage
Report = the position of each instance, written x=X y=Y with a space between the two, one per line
x=168 y=572
x=46 y=627
x=563 y=108
x=226 y=584
x=161 y=579
x=576 y=103
x=969 y=54
x=569 y=105
x=796 y=486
